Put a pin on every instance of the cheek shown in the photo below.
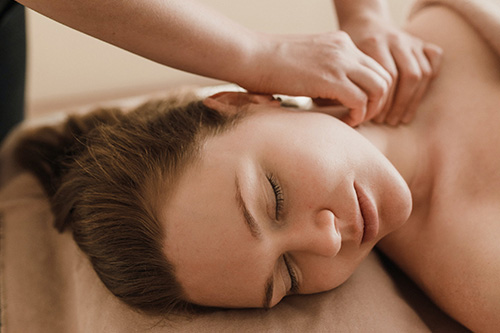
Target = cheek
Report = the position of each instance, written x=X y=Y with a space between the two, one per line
x=324 y=274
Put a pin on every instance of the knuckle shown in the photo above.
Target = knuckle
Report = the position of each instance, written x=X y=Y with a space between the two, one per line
x=390 y=83
x=343 y=35
x=400 y=39
x=426 y=71
x=378 y=91
x=412 y=76
x=393 y=72
x=334 y=74
x=344 y=39
x=373 y=41
x=361 y=101
x=358 y=104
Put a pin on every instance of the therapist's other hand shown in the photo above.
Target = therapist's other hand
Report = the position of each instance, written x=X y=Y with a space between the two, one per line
x=411 y=62
x=327 y=66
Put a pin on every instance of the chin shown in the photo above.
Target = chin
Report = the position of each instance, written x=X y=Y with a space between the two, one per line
x=398 y=206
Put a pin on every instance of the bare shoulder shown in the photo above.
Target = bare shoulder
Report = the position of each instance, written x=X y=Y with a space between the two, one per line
x=451 y=249
x=465 y=95
x=466 y=53
x=466 y=282
x=453 y=256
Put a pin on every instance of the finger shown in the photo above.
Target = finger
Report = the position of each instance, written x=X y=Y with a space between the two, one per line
x=426 y=69
x=410 y=112
x=353 y=98
x=374 y=86
x=378 y=67
x=384 y=57
x=331 y=107
x=433 y=55
x=409 y=78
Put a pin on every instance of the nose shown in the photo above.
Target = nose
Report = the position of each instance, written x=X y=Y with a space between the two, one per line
x=319 y=235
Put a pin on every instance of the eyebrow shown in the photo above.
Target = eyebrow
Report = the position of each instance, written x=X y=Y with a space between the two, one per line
x=247 y=216
x=257 y=234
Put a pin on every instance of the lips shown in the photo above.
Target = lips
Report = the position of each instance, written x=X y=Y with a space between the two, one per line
x=369 y=214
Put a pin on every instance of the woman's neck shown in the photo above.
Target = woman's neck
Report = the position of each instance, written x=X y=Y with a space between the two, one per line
x=408 y=151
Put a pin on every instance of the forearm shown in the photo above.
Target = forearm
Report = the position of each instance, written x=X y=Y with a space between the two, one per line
x=188 y=36
x=182 y=34
x=349 y=9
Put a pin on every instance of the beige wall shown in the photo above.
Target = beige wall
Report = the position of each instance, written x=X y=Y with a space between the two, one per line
x=69 y=68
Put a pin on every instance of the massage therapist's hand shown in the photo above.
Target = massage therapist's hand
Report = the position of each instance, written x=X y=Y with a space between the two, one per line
x=327 y=66
x=411 y=62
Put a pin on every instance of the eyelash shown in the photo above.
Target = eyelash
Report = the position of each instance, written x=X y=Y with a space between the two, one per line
x=293 y=277
x=278 y=194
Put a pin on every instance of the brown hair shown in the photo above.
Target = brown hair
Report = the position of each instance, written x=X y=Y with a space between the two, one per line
x=105 y=173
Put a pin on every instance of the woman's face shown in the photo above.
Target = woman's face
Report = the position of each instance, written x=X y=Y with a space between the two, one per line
x=286 y=202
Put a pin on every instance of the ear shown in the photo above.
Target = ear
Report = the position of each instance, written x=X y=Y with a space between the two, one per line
x=232 y=102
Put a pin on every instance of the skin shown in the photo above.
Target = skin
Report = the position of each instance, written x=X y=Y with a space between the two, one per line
x=448 y=157
x=323 y=65
x=450 y=243
x=411 y=62
x=319 y=228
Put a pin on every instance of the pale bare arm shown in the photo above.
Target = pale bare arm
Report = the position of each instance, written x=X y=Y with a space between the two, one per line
x=182 y=34
x=186 y=35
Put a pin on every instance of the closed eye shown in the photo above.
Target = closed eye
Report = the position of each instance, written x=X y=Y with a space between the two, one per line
x=293 y=277
x=278 y=194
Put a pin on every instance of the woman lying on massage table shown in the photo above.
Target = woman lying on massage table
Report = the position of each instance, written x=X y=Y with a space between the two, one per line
x=234 y=201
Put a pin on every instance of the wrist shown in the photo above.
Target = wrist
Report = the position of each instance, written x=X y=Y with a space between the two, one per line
x=253 y=74
x=358 y=12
